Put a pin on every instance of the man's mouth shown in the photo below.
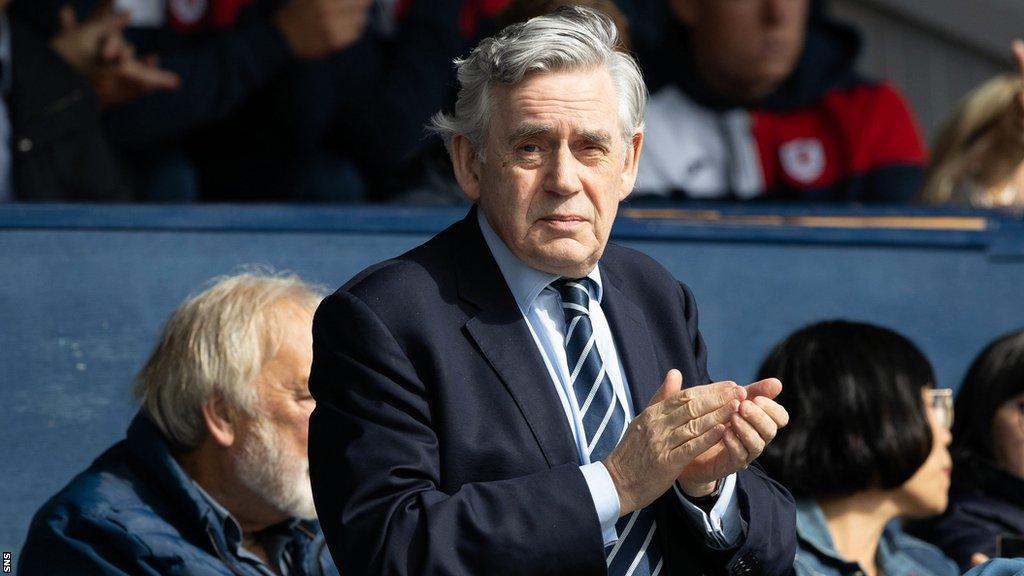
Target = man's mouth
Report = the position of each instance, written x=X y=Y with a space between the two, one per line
x=563 y=222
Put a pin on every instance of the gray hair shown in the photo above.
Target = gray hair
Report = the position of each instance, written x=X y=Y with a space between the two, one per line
x=569 y=39
x=215 y=344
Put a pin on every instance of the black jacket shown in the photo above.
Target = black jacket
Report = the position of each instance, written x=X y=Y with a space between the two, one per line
x=439 y=446
x=58 y=148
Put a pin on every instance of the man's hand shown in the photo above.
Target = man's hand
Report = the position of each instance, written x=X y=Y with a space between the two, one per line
x=316 y=28
x=675 y=428
x=97 y=49
x=749 y=430
x=129 y=78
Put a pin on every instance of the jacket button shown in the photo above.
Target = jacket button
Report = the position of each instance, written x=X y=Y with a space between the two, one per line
x=24 y=145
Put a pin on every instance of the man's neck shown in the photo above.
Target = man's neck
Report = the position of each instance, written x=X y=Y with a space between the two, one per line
x=856 y=524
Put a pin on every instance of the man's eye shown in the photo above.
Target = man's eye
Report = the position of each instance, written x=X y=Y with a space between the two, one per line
x=529 y=148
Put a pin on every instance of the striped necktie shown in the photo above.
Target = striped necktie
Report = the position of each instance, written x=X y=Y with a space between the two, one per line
x=604 y=419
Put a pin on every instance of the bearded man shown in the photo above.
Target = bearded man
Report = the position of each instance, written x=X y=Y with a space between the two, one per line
x=212 y=477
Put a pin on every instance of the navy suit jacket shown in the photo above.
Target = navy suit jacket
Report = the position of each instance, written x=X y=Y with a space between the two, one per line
x=439 y=445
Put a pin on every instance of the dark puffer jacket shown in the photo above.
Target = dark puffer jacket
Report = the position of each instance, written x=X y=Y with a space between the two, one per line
x=135 y=511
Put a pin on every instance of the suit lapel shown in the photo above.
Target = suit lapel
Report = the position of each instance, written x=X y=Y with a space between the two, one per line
x=632 y=341
x=504 y=339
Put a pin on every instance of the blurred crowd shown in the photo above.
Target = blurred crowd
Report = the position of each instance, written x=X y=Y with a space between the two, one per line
x=326 y=101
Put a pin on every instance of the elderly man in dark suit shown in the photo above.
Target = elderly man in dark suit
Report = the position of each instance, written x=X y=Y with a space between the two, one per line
x=508 y=398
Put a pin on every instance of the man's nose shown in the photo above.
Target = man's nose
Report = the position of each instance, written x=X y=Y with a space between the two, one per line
x=563 y=172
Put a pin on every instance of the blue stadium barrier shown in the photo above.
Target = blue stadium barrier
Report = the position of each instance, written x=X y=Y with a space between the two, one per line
x=84 y=290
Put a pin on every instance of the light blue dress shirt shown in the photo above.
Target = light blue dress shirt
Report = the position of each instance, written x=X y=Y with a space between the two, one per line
x=541 y=307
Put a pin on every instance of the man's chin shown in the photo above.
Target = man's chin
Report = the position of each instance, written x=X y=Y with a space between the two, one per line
x=566 y=257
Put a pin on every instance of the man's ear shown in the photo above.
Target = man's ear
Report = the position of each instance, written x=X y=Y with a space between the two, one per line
x=220 y=422
x=631 y=165
x=466 y=165
x=685 y=11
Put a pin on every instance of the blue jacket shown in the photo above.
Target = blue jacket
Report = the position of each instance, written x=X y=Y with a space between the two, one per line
x=999 y=567
x=135 y=511
x=898 y=553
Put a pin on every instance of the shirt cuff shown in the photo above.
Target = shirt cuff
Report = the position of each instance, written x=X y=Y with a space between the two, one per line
x=723 y=526
x=606 y=498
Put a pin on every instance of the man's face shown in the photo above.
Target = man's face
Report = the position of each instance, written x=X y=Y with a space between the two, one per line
x=272 y=460
x=555 y=170
x=744 y=48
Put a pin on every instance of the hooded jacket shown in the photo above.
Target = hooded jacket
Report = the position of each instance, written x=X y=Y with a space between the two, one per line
x=135 y=511
x=824 y=134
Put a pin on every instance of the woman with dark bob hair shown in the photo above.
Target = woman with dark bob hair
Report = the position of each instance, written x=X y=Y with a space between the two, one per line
x=987 y=498
x=864 y=446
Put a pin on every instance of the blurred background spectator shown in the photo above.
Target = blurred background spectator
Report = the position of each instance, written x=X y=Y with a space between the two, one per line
x=278 y=100
x=53 y=145
x=978 y=157
x=987 y=496
x=325 y=101
x=866 y=444
x=760 y=99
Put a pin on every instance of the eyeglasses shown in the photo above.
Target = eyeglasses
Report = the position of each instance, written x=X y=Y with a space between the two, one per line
x=940 y=402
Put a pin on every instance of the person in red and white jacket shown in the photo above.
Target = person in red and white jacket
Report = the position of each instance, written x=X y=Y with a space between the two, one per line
x=758 y=99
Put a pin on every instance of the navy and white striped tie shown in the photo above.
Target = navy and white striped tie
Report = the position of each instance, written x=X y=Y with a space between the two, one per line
x=636 y=553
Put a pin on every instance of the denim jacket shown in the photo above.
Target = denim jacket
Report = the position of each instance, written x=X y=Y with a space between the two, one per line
x=898 y=553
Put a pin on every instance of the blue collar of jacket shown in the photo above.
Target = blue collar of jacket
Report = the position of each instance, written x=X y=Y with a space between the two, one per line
x=899 y=554
x=148 y=447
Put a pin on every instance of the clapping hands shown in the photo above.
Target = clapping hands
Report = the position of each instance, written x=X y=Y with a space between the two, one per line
x=695 y=436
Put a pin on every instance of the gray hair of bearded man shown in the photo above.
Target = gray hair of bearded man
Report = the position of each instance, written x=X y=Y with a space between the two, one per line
x=570 y=39
x=215 y=344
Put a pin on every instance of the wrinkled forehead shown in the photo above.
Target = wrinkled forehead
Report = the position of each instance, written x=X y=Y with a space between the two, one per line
x=580 y=102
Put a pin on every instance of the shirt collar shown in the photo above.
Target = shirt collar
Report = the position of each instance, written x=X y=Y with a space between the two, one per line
x=274 y=538
x=812 y=528
x=526 y=283
x=232 y=530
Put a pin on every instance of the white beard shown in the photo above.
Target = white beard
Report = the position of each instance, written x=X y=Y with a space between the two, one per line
x=281 y=480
